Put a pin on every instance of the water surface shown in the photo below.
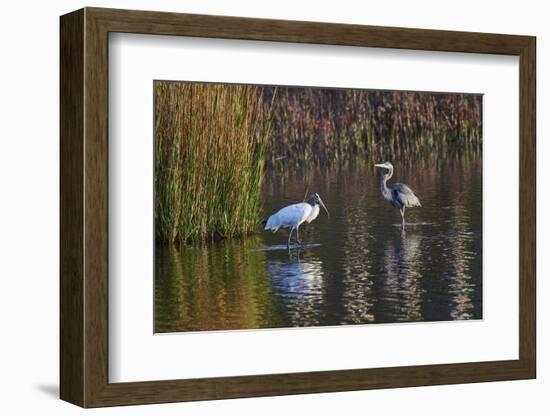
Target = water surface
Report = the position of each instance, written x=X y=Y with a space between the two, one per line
x=356 y=267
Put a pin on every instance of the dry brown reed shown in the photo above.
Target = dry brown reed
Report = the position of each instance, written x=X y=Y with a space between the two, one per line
x=323 y=126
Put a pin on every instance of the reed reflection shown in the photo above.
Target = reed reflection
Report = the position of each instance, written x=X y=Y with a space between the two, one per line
x=357 y=297
x=213 y=286
x=460 y=281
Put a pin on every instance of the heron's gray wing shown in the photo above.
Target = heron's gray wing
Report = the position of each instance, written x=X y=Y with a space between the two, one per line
x=404 y=195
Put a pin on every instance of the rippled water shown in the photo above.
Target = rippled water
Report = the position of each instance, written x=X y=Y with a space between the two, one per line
x=356 y=267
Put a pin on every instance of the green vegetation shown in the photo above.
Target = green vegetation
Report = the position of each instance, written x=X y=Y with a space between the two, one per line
x=210 y=144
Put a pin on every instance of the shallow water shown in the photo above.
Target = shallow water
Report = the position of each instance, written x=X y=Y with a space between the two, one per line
x=355 y=267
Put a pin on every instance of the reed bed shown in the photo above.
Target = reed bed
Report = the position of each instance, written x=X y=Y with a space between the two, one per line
x=210 y=149
x=316 y=126
x=214 y=143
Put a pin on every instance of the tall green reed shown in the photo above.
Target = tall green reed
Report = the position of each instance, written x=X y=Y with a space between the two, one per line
x=210 y=146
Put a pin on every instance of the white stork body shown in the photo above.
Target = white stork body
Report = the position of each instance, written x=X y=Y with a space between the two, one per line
x=292 y=216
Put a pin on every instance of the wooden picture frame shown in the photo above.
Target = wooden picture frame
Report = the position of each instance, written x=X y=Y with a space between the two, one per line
x=84 y=207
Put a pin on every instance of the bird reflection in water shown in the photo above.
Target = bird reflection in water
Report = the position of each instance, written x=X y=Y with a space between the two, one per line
x=298 y=282
x=402 y=289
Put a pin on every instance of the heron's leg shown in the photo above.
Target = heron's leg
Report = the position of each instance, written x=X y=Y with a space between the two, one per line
x=298 y=235
x=289 y=236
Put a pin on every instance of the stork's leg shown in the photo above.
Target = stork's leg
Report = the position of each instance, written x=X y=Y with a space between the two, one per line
x=298 y=235
x=402 y=211
x=289 y=236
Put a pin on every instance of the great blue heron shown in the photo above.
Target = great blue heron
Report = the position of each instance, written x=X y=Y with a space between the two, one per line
x=398 y=194
x=292 y=216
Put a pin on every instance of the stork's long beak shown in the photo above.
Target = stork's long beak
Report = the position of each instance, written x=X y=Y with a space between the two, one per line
x=380 y=165
x=324 y=207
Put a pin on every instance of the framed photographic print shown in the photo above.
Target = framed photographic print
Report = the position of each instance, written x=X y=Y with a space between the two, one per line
x=255 y=207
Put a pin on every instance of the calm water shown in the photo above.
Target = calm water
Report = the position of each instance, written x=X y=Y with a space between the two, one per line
x=357 y=267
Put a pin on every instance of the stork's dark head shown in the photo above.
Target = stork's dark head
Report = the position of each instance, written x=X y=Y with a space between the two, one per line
x=316 y=200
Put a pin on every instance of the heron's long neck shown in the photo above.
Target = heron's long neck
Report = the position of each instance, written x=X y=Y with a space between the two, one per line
x=383 y=185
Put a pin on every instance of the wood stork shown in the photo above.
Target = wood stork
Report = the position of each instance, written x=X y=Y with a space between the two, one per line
x=292 y=216
x=398 y=194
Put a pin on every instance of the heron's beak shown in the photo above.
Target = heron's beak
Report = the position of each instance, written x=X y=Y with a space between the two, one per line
x=324 y=207
x=380 y=165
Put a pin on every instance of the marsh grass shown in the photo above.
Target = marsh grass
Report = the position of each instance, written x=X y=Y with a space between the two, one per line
x=320 y=126
x=210 y=144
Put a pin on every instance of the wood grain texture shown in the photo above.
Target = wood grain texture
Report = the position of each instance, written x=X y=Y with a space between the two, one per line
x=84 y=204
x=96 y=208
x=528 y=207
x=71 y=100
x=225 y=27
